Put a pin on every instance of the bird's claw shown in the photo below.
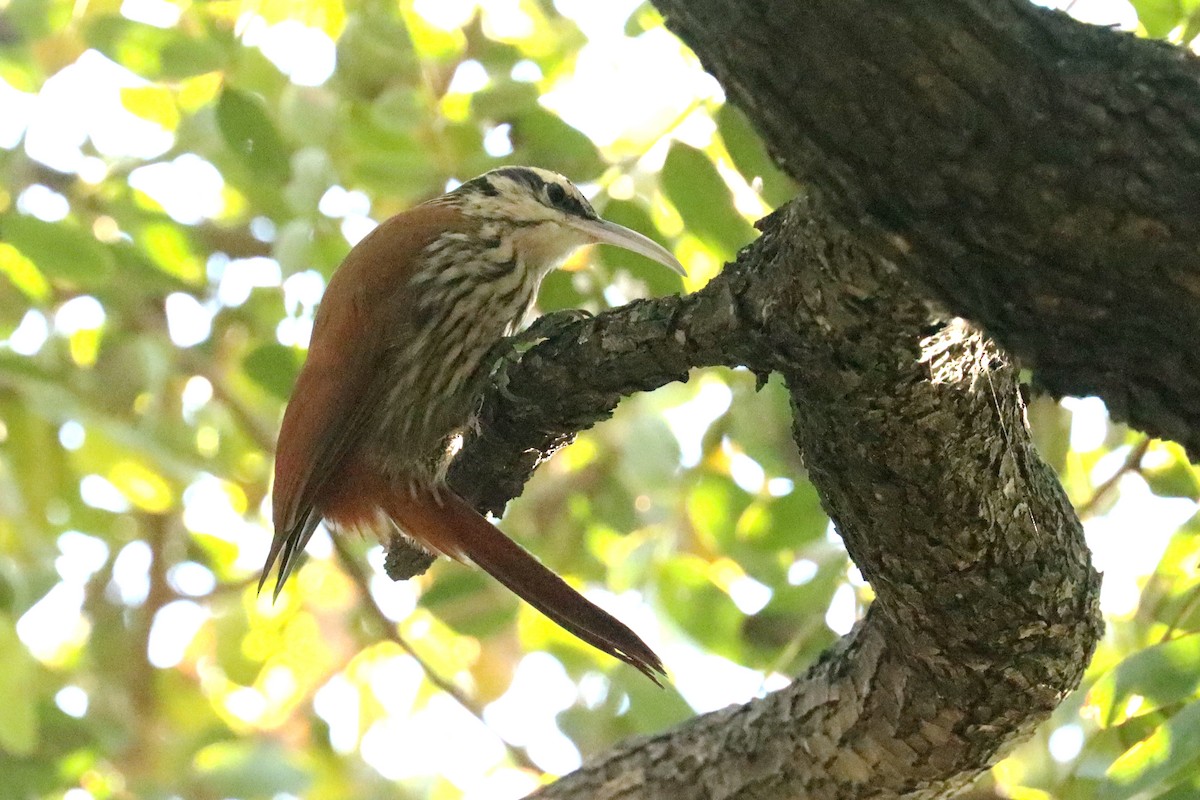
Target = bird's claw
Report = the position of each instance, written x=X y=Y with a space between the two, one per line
x=549 y=325
x=500 y=378
x=507 y=352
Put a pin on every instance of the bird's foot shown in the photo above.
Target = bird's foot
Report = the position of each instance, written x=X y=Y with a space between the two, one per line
x=549 y=325
x=508 y=351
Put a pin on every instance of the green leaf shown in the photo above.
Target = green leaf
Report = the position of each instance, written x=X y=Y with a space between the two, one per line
x=762 y=419
x=312 y=175
x=171 y=251
x=401 y=110
x=183 y=56
x=1175 y=478
x=692 y=183
x=1159 y=17
x=1160 y=675
x=229 y=632
x=309 y=115
x=293 y=246
x=1153 y=764
x=38 y=464
x=250 y=133
x=274 y=367
x=542 y=139
x=470 y=602
x=18 y=692
x=504 y=101
x=375 y=51
x=61 y=250
x=788 y=522
x=152 y=52
x=750 y=156
x=698 y=605
x=1050 y=425
x=558 y=292
x=1191 y=28
x=791 y=628
x=714 y=505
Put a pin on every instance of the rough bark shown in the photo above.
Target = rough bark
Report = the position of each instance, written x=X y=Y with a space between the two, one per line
x=912 y=431
x=1038 y=176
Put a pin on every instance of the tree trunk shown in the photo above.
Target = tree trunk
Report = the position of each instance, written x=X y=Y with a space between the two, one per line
x=1037 y=176
x=913 y=432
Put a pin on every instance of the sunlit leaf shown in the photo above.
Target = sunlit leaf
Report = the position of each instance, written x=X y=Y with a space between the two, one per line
x=693 y=184
x=1168 y=754
x=22 y=273
x=645 y=17
x=37 y=463
x=1159 y=16
x=60 y=250
x=1174 y=478
x=751 y=158
x=1149 y=679
x=153 y=103
x=171 y=251
x=714 y=506
x=145 y=488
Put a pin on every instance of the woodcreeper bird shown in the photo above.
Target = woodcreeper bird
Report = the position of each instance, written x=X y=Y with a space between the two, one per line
x=395 y=369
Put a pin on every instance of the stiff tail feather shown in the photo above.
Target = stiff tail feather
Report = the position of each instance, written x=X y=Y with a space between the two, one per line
x=286 y=547
x=446 y=523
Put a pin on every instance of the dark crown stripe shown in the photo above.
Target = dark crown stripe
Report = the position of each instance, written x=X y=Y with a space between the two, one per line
x=521 y=175
x=481 y=185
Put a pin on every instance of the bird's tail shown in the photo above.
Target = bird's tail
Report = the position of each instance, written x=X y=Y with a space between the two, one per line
x=444 y=522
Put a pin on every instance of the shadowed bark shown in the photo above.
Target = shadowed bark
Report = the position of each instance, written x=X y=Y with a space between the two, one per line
x=1038 y=176
x=912 y=431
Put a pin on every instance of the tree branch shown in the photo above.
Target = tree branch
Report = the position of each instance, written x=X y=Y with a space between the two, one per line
x=913 y=433
x=1038 y=176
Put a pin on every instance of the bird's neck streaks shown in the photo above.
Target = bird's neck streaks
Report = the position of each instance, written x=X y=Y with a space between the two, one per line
x=465 y=297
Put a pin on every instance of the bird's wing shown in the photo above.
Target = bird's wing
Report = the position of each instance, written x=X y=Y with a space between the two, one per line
x=333 y=394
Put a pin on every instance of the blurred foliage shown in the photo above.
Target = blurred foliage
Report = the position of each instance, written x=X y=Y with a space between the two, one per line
x=179 y=180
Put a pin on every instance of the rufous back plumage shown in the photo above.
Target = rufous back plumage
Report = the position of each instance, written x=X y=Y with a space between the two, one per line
x=394 y=369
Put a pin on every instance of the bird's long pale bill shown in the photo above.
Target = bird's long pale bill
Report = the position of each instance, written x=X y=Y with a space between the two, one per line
x=605 y=232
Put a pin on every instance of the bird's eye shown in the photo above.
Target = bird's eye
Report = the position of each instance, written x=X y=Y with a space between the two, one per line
x=556 y=194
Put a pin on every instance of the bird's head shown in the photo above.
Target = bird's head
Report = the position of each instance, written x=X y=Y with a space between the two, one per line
x=547 y=217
